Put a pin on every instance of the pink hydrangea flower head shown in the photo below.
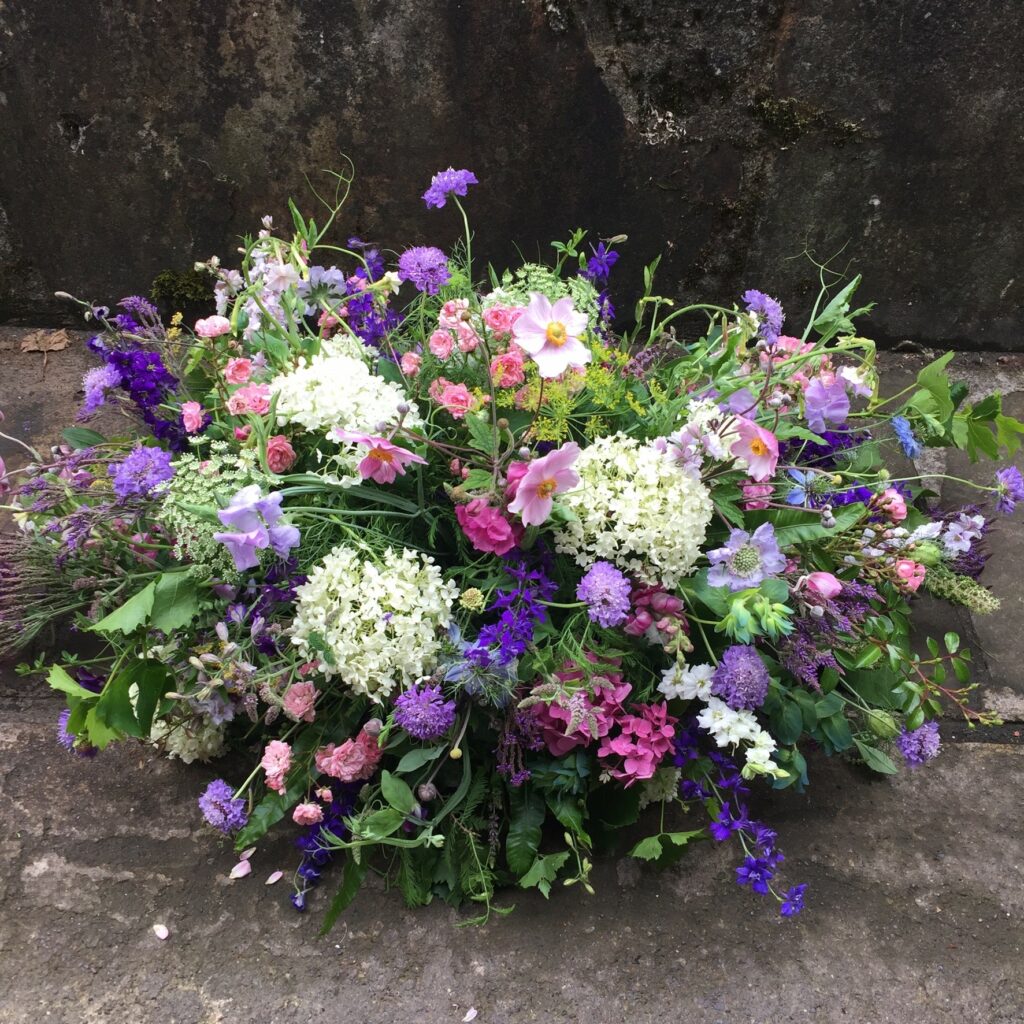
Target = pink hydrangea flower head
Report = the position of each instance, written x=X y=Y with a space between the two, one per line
x=893 y=504
x=759 y=447
x=299 y=699
x=547 y=476
x=308 y=814
x=191 y=416
x=410 y=363
x=355 y=760
x=550 y=333
x=213 y=327
x=280 y=454
x=643 y=739
x=823 y=584
x=487 y=529
x=441 y=344
x=238 y=371
x=277 y=759
x=384 y=462
x=457 y=399
x=910 y=574
x=507 y=369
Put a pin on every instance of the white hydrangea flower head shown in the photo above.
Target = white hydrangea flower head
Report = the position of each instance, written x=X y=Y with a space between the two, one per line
x=375 y=623
x=636 y=508
x=199 y=740
x=687 y=682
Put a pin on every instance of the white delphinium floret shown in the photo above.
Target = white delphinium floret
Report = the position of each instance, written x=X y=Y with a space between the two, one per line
x=687 y=682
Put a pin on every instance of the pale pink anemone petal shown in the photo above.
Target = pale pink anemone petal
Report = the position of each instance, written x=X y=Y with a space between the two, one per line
x=241 y=869
x=544 y=478
x=161 y=931
x=274 y=878
x=759 y=447
x=550 y=332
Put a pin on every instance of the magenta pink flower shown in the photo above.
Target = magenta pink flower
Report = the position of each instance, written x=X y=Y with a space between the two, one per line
x=515 y=472
x=910 y=574
x=641 y=743
x=299 y=699
x=384 y=461
x=545 y=477
x=487 y=529
x=507 y=369
x=238 y=371
x=453 y=313
x=250 y=398
x=308 y=814
x=213 y=327
x=550 y=333
x=823 y=584
x=441 y=344
x=754 y=495
x=455 y=398
x=468 y=338
x=893 y=504
x=277 y=759
x=191 y=416
x=501 y=319
x=759 y=447
x=354 y=760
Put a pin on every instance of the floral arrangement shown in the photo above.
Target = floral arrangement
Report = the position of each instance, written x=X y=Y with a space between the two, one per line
x=473 y=575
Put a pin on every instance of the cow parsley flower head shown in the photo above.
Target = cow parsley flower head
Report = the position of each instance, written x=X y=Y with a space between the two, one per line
x=448 y=183
x=374 y=623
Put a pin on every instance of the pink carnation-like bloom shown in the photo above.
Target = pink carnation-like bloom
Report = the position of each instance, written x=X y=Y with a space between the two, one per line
x=455 y=398
x=299 y=699
x=410 y=363
x=656 y=614
x=550 y=333
x=893 y=504
x=453 y=313
x=213 y=327
x=501 y=319
x=910 y=574
x=280 y=454
x=238 y=371
x=487 y=529
x=384 y=461
x=643 y=740
x=250 y=398
x=277 y=759
x=191 y=416
x=824 y=584
x=759 y=447
x=308 y=814
x=441 y=344
x=355 y=760
x=547 y=476
x=242 y=433
x=602 y=706
x=507 y=369
x=754 y=495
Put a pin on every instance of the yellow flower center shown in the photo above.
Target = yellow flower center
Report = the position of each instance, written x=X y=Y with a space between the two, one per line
x=758 y=447
x=556 y=334
x=381 y=455
x=547 y=487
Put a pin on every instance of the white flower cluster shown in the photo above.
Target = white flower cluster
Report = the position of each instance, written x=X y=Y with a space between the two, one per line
x=728 y=727
x=198 y=740
x=338 y=389
x=374 y=624
x=636 y=508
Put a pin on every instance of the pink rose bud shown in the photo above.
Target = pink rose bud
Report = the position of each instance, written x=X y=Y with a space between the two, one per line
x=411 y=363
x=325 y=795
x=893 y=504
x=238 y=371
x=308 y=814
x=280 y=454
x=910 y=574
x=242 y=433
x=213 y=327
x=824 y=584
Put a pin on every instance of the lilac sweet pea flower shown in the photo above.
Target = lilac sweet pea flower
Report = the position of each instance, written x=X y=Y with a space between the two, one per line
x=825 y=403
x=255 y=519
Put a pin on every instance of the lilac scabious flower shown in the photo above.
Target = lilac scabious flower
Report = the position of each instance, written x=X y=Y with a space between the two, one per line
x=96 y=383
x=426 y=267
x=67 y=739
x=825 y=404
x=424 y=713
x=141 y=473
x=741 y=679
x=606 y=591
x=919 y=745
x=221 y=808
x=904 y=432
x=769 y=314
x=1009 y=489
x=599 y=266
x=448 y=183
x=793 y=902
x=746 y=559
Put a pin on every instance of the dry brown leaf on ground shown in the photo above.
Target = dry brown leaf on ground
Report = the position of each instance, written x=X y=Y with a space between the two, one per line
x=45 y=341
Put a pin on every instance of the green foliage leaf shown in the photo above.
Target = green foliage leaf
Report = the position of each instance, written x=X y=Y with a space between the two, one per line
x=481 y=433
x=99 y=733
x=794 y=526
x=380 y=824
x=527 y=815
x=82 y=437
x=478 y=480
x=267 y=813
x=830 y=705
x=836 y=317
x=153 y=681
x=175 y=602
x=837 y=731
x=876 y=759
x=132 y=614
x=354 y=872
x=417 y=759
x=114 y=707
x=544 y=871
x=397 y=793
x=58 y=679
x=934 y=379
x=647 y=849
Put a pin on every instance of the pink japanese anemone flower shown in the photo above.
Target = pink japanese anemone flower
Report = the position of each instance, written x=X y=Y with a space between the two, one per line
x=550 y=332
x=384 y=461
x=544 y=478
x=759 y=447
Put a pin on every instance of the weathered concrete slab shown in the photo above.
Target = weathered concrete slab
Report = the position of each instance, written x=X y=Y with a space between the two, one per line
x=914 y=913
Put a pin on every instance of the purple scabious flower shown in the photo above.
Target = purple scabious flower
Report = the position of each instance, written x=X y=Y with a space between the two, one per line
x=825 y=404
x=96 y=383
x=599 y=266
x=448 y=183
x=746 y=559
x=741 y=679
x=221 y=808
x=68 y=739
x=769 y=314
x=424 y=713
x=1009 y=489
x=793 y=902
x=606 y=591
x=141 y=472
x=427 y=268
x=904 y=432
x=919 y=745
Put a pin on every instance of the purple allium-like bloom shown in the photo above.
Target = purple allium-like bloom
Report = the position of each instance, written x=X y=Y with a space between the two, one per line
x=741 y=679
x=599 y=266
x=746 y=559
x=769 y=314
x=424 y=713
x=448 y=183
x=1009 y=488
x=141 y=473
x=221 y=808
x=606 y=591
x=901 y=427
x=755 y=872
x=96 y=383
x=794 y=901
x=67 y=739
x=825 y=404
x=426 y=267
x=919 y=745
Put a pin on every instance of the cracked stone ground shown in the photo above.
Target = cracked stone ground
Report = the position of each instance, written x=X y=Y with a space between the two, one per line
x=916 y=884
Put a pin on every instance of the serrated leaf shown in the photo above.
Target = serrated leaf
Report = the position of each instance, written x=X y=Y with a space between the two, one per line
x=175 y=602
x=526 y=810
x=481 y=433
x=132 y=614
x=58 y=679
x=153 y=681
x=478 y=480
x=682 y=838
x=544 y=871
x=268 y=812
x=114 y=707
x=647 y=849
x=98 y=732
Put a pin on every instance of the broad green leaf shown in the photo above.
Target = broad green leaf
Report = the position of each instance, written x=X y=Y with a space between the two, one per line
x=175 y=602
x=417 y=758
x=153 y=681
x=647 y=849
x=132 y=614
x=114 y=707
x=876 y=759
x=267 y=813
x=1008 y=431
x=478 y=480
x=82 y=437
x=380 y=824
x=934 y=379
x=481 y=433
x=98 y=732
x=829 y=706
x=397 y=793
x=682 y=838
x=837 y=731
x=60 y=680
x=544 y=871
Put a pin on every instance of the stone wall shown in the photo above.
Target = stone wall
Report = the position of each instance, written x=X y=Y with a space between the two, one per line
x=731 y=136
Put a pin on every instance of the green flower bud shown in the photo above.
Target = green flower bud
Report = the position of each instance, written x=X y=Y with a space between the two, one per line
x=882 y=724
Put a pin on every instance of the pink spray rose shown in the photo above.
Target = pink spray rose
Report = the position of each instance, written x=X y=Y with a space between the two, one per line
x=441 y=344
x=250 y=398
x=242 y=433
x=308 y=814
x=213 y=327
x=910 y=574
x=893 y=504
x=277 y=759
x=453 y=313
x=500 y=320
x=468 y=338
x=486 y=528
x=754 y=495
x=547 y=476
x=507 y=369
x=356 y=759
x=455 y=398
x=280 y=454
x=191 y=416
x=238 y=371
x=299 y=699
x=410 y=363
